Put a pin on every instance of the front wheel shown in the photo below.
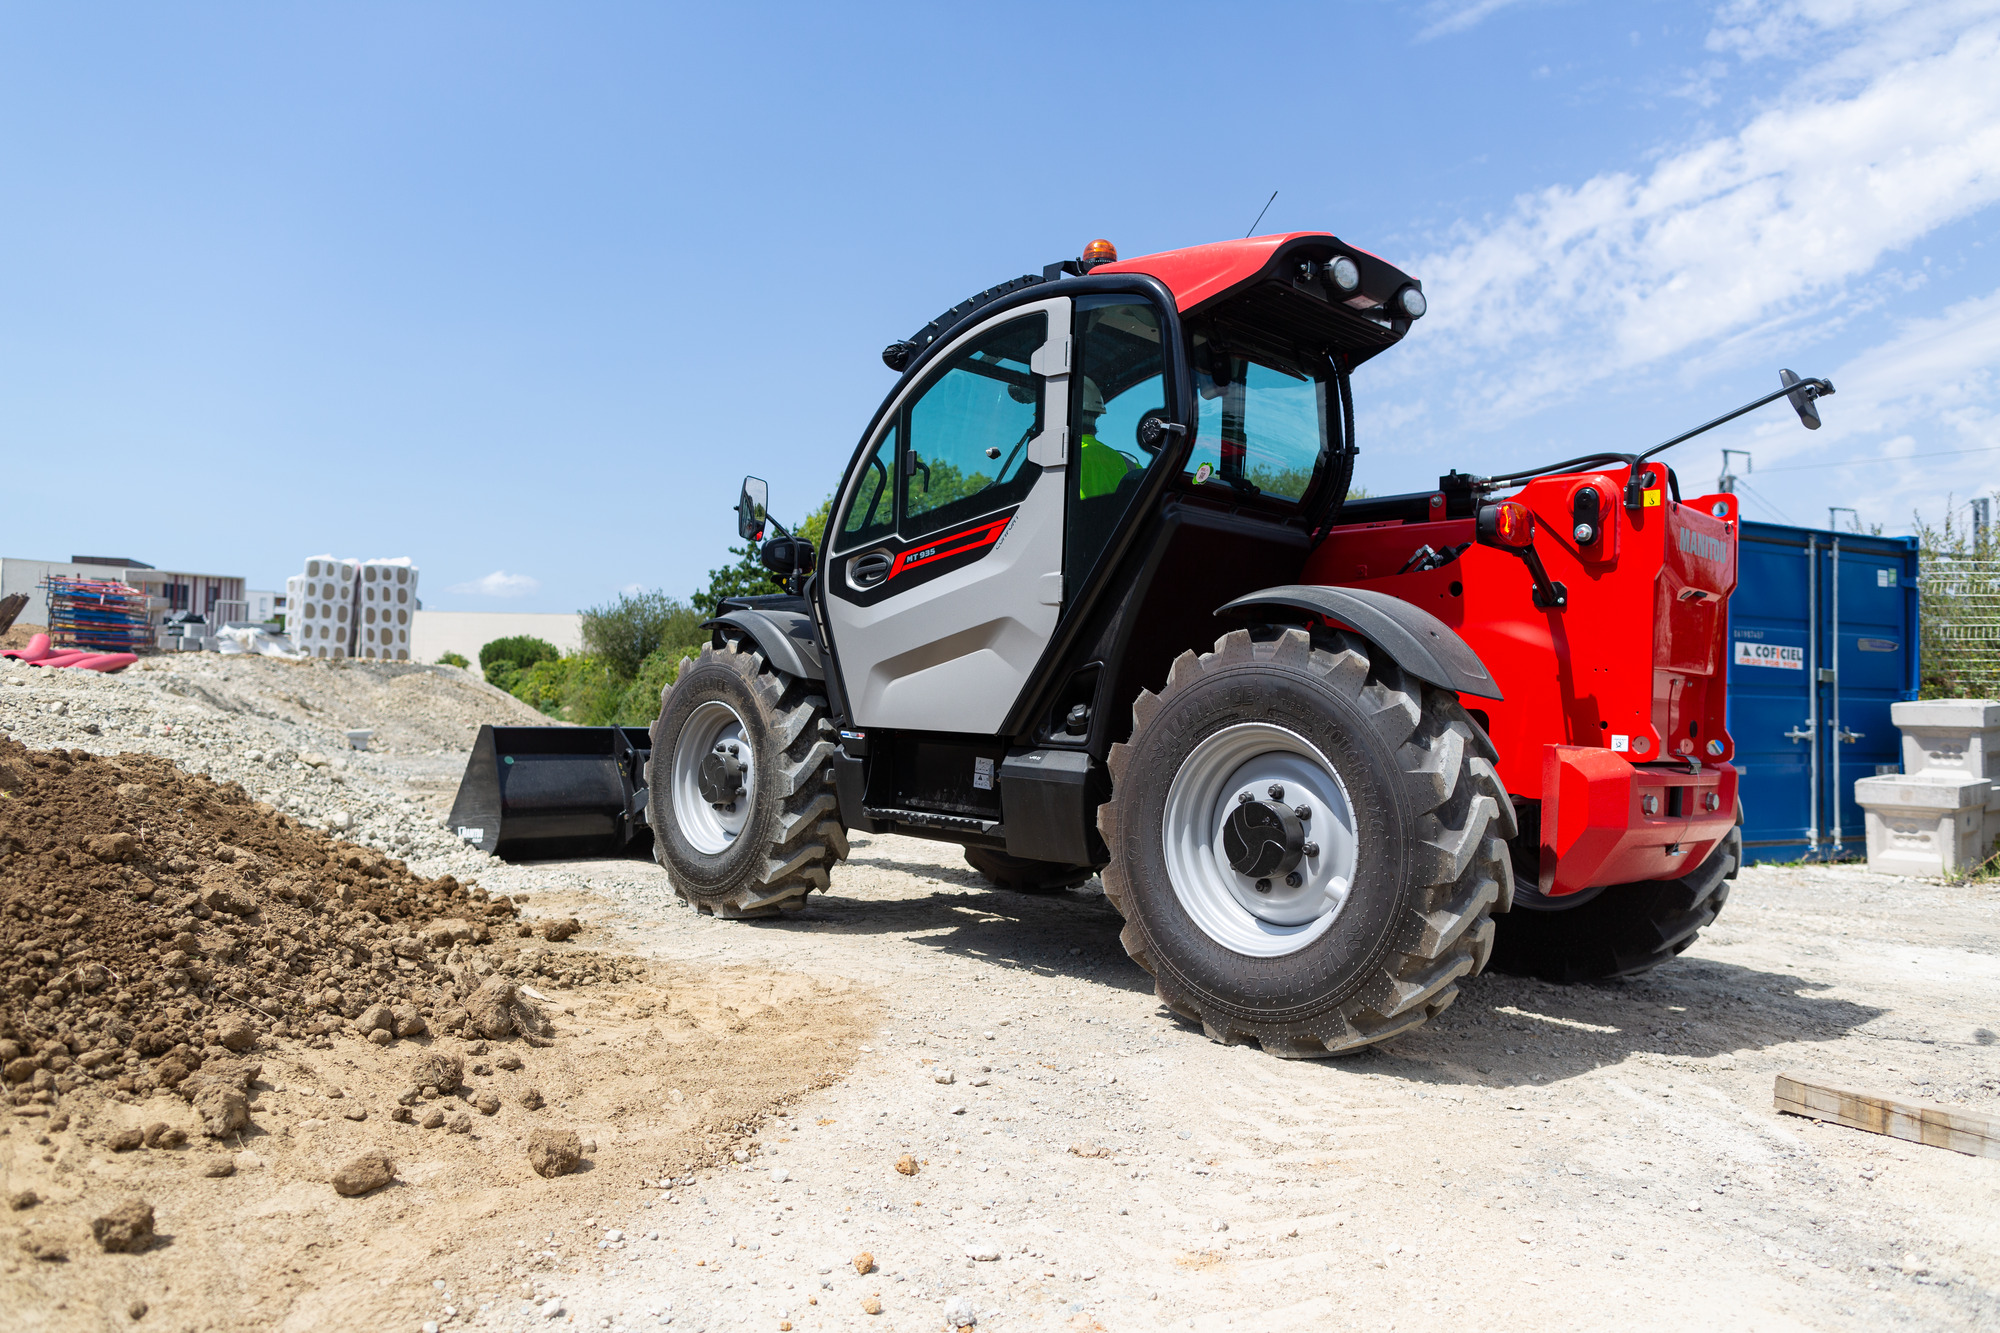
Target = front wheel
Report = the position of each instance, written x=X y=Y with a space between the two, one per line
x=741 y=794
x=1307 y=844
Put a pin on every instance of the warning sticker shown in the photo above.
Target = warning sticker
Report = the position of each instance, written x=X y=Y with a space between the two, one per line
x=982 y=773
x=1786 y=657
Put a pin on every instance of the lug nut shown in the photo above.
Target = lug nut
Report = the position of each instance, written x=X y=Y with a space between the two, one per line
x=1263 y=886
x=1310 y=849
x=1244 y=798
x=1303 y=811
x=1277 y=791
x=1294 y=879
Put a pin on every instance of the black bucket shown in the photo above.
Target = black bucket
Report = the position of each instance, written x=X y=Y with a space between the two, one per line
x=536 y=793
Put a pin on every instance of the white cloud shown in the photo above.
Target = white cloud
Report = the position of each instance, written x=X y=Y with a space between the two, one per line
x=1628 y=272
x=1913 y=420
x=498 y=584
x=1450 y=16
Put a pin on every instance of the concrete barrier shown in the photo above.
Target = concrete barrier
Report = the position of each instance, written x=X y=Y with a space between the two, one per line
x=1941 y=815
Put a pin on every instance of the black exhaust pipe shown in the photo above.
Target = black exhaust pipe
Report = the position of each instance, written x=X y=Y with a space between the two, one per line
x=541 y=793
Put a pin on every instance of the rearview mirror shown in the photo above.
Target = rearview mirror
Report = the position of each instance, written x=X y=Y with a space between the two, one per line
x=751 y=508
x=1801 y=400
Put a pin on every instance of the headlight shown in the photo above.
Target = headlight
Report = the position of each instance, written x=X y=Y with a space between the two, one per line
x=1410 y=303
x=1345 y=274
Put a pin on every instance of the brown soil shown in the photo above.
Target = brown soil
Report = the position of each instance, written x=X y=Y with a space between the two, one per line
x=177 y=945
x=147 y=908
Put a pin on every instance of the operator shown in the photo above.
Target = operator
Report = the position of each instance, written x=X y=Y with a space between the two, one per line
x=1099 y=467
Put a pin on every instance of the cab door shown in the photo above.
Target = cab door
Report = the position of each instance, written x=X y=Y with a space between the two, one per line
x=943 y=579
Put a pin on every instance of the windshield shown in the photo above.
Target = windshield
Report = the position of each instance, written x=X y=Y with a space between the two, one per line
x=1262 y=427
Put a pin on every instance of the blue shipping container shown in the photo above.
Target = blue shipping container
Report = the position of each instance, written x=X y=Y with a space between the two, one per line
x=1822 y=639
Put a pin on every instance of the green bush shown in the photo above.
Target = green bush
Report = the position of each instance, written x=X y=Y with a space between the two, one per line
x=504 y=659
x=453 y=659
x=626 y=632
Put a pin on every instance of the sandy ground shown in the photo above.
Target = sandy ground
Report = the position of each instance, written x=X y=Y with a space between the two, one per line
x=1540 y=1157
x=1543 y=1157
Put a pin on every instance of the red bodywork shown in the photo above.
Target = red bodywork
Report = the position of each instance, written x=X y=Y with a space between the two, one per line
x=1613 y=718
x=1199 y=272
x=1598 y=694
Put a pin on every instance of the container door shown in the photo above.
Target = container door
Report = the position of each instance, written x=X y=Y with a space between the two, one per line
x=1868 y=606
x=1771 y=651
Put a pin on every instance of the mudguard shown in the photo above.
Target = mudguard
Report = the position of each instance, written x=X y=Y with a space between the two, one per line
x=787 y=637
x=1420 y=643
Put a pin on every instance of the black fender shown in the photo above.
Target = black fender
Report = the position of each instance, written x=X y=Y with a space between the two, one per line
x=787 y=638
x=1419 y=642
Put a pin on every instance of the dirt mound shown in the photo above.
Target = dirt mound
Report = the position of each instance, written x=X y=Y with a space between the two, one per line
x=158 y=920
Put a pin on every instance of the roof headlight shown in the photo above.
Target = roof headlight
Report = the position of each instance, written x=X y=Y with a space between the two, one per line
x=1410 y=303
x=1344 y=274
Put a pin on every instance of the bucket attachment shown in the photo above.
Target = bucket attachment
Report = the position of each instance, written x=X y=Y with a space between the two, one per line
x=533 y=793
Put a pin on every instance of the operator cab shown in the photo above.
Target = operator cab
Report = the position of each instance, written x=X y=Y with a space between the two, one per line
x=1092 y=459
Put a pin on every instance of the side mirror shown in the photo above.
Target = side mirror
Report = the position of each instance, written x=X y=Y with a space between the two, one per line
x=751 y=508
x=1802 y=399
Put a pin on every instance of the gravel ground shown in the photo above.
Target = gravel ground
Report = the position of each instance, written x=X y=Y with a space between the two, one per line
x=278 y=728
x=1553 y=1153
x=1542 y=1157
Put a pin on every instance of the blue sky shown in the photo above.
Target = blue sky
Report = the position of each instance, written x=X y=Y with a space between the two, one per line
x=522 y=291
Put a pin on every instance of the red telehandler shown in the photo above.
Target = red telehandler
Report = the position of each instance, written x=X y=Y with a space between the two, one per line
x=1094 y=599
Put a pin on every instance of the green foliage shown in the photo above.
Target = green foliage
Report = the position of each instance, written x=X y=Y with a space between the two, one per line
x=746 y=577
x=504 y=659
x=633 y=646
x=1958 y=611
x=453 y=659
x=626 y=632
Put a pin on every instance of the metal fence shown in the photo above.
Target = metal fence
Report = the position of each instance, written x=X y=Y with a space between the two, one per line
x=1960 y=627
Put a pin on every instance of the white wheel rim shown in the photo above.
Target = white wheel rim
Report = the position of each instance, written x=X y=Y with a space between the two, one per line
x=1249 y=758
x=708 y=829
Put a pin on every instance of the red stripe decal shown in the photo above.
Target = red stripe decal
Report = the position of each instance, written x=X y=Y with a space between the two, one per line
x=956 y=544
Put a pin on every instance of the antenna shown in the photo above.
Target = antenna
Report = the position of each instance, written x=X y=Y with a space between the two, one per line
x=1260 y=215
x=1726 y=483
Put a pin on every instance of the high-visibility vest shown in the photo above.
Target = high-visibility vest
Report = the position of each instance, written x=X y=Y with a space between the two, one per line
x=1099 y=468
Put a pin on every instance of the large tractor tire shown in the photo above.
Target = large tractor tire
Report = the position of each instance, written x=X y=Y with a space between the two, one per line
x=1024 y=876
x=1307 y=844
x=1620 y=930
x=741 y=793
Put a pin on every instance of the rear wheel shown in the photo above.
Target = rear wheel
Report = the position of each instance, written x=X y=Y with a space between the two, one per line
x=1023 y=875
x=740 y=790
x=1306 y=844
x=1620 y=930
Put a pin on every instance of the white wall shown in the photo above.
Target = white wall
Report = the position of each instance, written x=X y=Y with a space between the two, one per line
x=435 y=633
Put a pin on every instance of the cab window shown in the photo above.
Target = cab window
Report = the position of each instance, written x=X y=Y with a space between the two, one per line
x=1262 y=428
x=871 y=511
x=966 y=434
x=1119 y=384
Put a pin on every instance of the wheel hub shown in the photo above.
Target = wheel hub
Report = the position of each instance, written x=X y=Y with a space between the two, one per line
x=721 y=777
x=1262 y=839
x=712 y=776
x=1261 y=843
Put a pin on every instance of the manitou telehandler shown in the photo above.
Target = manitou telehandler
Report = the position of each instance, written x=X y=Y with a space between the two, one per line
x=1436 y=732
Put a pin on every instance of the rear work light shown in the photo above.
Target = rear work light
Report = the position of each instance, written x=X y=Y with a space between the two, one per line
x=1509 y=523
x=1410 y=303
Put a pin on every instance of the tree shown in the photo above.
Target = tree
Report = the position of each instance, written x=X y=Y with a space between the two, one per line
x=503 y=659
x=625 y=632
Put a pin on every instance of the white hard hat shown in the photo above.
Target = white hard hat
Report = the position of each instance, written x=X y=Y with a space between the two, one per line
x=1093 y=397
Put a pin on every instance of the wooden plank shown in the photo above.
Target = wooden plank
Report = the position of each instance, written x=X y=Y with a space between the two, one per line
x=1975 y=1135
